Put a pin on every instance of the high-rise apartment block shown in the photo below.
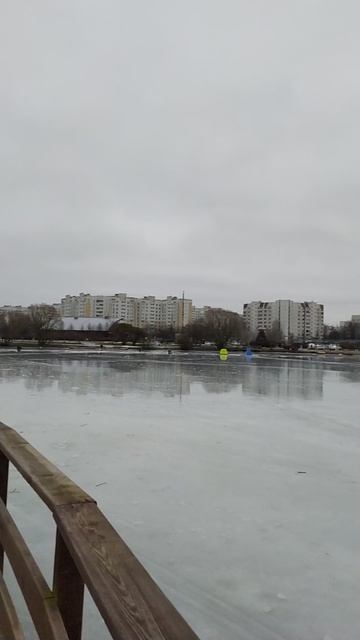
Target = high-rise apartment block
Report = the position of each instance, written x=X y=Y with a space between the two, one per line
x=296 y=320
x=8 y=308
x=139 y=312
x=199 y=313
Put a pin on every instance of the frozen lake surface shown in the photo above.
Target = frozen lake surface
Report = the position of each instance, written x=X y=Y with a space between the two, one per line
x=235 y=483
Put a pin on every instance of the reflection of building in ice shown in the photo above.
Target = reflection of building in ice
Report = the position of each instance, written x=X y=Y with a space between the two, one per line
x=351 y=373
x=102 y=377
x=120 y=375
x=221 y=386
x=35 y=376
x=150 y=377
x=284 y=380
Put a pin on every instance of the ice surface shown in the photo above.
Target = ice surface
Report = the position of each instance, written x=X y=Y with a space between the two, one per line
x=236 y=483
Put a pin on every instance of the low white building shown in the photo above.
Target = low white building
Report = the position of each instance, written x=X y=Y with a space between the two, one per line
x=85 y=324
x=295 y=320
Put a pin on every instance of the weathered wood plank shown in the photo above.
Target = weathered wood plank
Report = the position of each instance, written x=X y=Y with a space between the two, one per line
x=53 y=486
x=38 y=597
x=132 y=605
x=68 y=588
x=88 y=550
x=9 y=622
x=4 y=476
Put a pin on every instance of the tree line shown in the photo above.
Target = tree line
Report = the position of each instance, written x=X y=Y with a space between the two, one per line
x=348 y=331
x=218 y=326
x=36 y=324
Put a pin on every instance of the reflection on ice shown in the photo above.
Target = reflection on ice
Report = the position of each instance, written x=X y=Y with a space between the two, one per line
x=241 y=499
x=123 y=374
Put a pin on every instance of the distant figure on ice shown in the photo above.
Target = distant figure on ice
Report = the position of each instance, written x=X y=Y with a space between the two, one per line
x=248 y=354
x=223 y=354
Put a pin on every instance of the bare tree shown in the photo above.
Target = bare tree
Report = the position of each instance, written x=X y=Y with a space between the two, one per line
x=14 y=325
x=4 y=329
x=43 y=318
x=275 y=336
x=197 y=332
x=123 y=332
x=224 y=326
x=218 y=326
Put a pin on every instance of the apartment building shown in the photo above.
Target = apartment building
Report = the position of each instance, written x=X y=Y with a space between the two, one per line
x=198 y=313
x=8 y=308
x=140 y=312
x=296 y=320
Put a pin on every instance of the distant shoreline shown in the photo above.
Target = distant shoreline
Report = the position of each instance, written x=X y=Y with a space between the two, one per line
x=170 y=350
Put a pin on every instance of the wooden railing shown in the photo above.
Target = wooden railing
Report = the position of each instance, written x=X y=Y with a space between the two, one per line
x=88 y=552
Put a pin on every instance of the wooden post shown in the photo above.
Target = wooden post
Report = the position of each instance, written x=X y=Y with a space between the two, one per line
x=68 y=588
x=4 y=476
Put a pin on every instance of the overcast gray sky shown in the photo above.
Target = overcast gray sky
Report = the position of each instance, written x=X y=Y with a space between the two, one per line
x=205 y=145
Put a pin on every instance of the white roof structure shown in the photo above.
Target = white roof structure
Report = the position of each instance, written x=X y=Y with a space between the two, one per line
x=84 y=324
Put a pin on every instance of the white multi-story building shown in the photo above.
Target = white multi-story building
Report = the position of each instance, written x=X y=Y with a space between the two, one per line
x=198 y=313
x=140 y=312
x=8 y=308
x=296 y=320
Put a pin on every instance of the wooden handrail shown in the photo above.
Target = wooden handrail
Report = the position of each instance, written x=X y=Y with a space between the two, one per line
x=53 y=486
x=130 y=602
x=8 y=616
x=4 y=476
x=88 y=552
x=38 y=597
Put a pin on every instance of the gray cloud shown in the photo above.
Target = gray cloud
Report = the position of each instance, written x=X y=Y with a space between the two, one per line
x=150 y=147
